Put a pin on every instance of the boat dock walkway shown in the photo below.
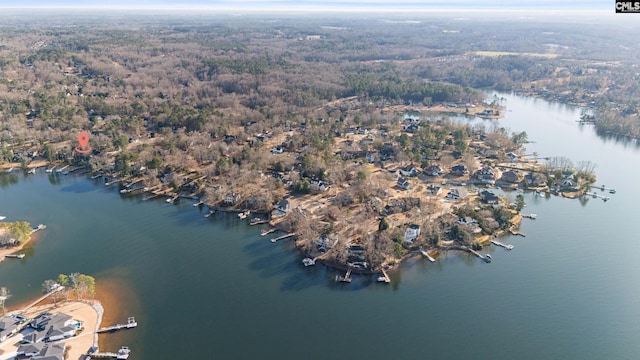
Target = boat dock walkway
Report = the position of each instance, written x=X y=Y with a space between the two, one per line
x=604 y=188
x=123 y=353
x=59 y=288
x=346 y=278
x=483 y=257
x=38 y=228
x=506 y=246
x=426 y=254
x=268 y=231
x=282 y=237
x=516 y=232
x=597 y=196
x=384 y=278
x=131 y=323
x=258 y=222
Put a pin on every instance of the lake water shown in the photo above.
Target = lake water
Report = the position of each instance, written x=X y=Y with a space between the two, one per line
x=213 y=288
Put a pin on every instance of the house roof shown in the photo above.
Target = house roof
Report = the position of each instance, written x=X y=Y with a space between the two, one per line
x=30 y=348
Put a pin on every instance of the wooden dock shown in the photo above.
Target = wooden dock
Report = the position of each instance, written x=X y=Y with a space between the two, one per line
x=598 y=196
x=346 y=278
x=498 y=243
x=268 y=231
x=486 y=258
x=426 y=254
x=604 y=188
x=131 y=323
x=123 y=353
x=282 y=237
x=516 y=232
x=38 y=228
x=258 y=222
x=59 y=288
x=384 y=278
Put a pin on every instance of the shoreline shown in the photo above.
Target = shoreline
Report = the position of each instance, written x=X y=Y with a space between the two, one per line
x=11 y=250
x=88 y=312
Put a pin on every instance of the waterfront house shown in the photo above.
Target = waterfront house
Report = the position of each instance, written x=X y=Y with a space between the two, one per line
x=511 y=177
x=9 y=325
x=55 y=327
x=283 y=206
x=535 y=179
x=488 y=197
x=29 y=350
x=512 y=157
x=51 y=352
x=486 y=175
x=433 y=170
x=404 y=184
x=411 y=233
x=231 y=199
x=459 y=170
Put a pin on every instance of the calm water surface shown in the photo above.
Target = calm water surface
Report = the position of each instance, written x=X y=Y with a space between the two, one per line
x=569 y=290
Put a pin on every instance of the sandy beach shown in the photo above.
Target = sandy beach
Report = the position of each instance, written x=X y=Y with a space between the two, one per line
x=89 y=313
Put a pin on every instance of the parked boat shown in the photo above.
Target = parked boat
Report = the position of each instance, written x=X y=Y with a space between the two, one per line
x=308 y=261
x=211 y=212
x=612 y=191
x=487 y=258
x=2 y=218
x=243 y=215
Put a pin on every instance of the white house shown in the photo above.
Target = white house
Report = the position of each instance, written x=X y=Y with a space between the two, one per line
x=411 y=233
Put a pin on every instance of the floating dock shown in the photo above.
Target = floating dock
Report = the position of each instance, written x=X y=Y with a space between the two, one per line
x=14 y=256
x=131 y=323
x=506 y=246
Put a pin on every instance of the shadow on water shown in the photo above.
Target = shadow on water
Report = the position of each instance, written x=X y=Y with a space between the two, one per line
x=8 y=179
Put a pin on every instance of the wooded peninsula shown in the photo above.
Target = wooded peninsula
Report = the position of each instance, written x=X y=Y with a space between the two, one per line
x=343 y=131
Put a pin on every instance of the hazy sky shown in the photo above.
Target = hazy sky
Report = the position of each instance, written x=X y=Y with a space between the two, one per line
x=310 y=4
